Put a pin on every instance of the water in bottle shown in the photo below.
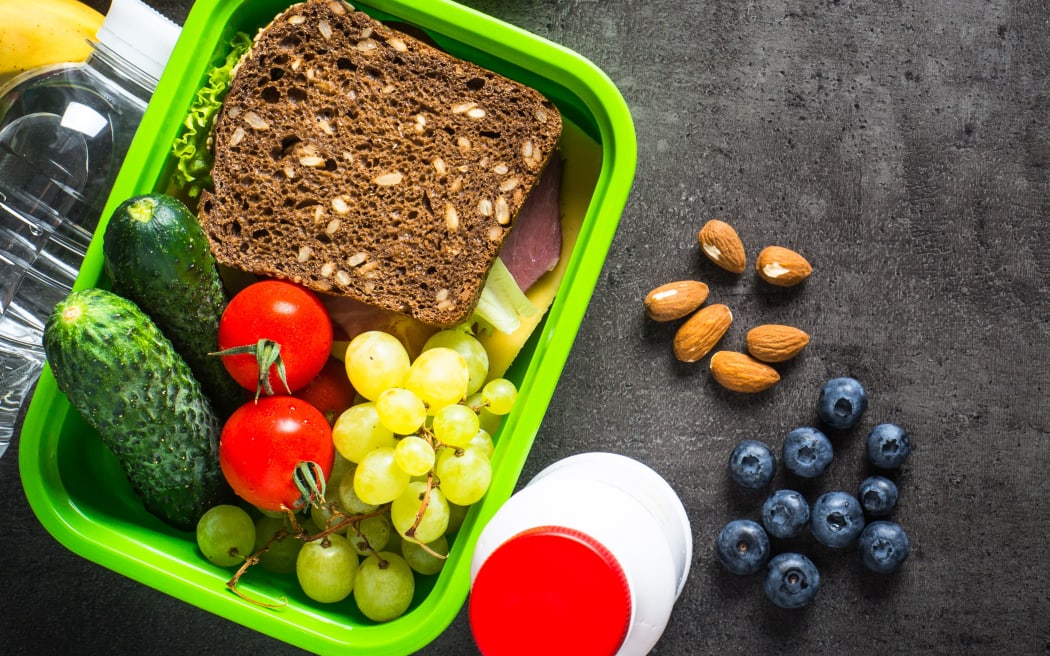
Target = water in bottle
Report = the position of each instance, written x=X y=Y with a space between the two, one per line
x=64 y=131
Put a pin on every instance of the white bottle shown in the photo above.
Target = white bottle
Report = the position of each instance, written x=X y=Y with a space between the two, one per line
x=64 y=132
x=587 y=559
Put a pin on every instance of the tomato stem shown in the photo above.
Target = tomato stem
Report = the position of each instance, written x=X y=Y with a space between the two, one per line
x=309 y=479
x=267 y=354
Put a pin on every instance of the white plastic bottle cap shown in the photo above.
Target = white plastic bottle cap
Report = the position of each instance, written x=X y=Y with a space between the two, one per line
x=587 y=559
x=139 y=34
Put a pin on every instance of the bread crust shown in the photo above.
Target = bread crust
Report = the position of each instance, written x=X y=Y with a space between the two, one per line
x=357 y=160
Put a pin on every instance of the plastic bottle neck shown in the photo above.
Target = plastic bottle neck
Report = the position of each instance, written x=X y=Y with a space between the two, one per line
x=106 y=62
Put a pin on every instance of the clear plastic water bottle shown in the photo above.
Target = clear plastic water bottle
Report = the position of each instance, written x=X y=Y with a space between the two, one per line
x=64 y=131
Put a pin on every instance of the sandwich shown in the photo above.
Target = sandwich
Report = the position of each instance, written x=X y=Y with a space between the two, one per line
x=368 y=165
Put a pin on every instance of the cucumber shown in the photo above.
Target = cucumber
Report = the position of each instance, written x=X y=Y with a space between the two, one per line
x=157 y=255
x=124 y=376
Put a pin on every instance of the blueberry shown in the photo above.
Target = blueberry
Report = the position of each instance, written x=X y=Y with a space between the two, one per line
x=841 y=403
x=752 y=464
x=888 y=446
x=878 y=495
x=742 y=546
x=836 y=519
x=807 y=452
x=785 y=514
x=883 y=546
x=792 y=580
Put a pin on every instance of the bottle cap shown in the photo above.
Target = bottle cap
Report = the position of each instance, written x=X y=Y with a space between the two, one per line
x=139 y=34
x=550 y=590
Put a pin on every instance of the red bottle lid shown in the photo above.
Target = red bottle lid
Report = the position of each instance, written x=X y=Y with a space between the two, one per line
x=553 y=590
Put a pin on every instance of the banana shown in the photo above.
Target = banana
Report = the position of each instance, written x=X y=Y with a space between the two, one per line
x=43 y=32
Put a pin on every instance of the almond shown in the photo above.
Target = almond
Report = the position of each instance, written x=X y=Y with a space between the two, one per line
x=699 y=334
x=721 y=244
x=675 y=299
x=742 y=373
x=782 y=266
x=775 y=343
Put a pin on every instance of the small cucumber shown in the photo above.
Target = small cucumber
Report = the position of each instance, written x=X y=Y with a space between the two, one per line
x=124 y=376
x=157 y=255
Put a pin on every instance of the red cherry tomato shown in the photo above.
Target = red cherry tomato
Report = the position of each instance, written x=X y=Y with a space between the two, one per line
x=330 y=391
x=282 y=312
x=264 y=441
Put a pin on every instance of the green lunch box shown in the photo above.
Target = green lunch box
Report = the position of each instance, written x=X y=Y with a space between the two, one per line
x=77 y=489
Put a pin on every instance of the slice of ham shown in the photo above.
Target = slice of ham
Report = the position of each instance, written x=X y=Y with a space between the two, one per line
x=533 y=246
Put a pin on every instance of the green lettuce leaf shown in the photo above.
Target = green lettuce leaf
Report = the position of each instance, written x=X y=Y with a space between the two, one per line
x=192 y=149
x=502 y=304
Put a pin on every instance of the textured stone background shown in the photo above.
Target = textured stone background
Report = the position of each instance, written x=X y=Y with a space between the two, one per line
x=902 y=146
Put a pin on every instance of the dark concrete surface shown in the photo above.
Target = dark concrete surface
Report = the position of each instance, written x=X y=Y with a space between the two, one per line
x=902 y=146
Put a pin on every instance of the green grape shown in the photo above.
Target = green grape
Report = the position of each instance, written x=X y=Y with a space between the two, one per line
x=358 y=431
x=339 y=467
x=489 y=421
x=499 y=395
x=376 y=361
x=400 y=410
x=378 y=479
x=456 y=514
x=348 y=499
x=414 y=455
x=474 y=402
x=384 y=586
x=421 y=560
x=307 y=526
x=465 y=475
x=468 y=346
x=455 y=425
x=269 y=513
x=280 y=555
x=226 y=535
x=482 y=443
x=405 y=508
x=327 y=569
x=370 y=534
x=439 y=376
x=326 y=516
x=394 y=543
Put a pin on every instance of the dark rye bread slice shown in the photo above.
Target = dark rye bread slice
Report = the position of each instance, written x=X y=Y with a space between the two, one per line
x=359 y=161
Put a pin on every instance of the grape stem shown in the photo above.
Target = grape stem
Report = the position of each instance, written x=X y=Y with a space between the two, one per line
x=425 y=547
x=435 y=443
x=300 y=533
x=248 y=562
x=309 y=478
x=424 y=502
x=344 y=521
x=364 y=538
x=424 y=499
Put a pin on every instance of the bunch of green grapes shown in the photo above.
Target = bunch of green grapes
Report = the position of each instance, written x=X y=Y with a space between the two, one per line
x=418 y=445
x=421 y=437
